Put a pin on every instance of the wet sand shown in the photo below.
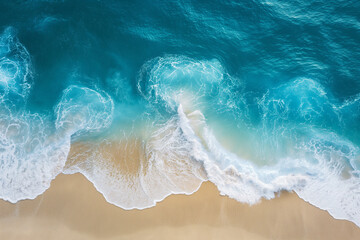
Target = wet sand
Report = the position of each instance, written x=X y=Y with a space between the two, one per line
x=73 y=209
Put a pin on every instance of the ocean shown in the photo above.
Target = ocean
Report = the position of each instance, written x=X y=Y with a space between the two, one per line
x=152 y=98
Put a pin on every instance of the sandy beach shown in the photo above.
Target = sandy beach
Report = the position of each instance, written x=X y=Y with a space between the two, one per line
x=73 y=209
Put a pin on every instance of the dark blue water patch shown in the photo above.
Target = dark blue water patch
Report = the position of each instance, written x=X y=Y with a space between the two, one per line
x=251 y=37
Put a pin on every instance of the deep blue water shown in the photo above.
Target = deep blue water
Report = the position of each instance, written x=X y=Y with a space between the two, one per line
x=255 y=96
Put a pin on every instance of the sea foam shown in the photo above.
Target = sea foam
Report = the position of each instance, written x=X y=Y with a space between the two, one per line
x=31 y=154
x=299 y=119
x=34 y=149
x=183 y=151
x=295 y=129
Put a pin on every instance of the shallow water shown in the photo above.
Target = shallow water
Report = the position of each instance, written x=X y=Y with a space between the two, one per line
x=150 y=98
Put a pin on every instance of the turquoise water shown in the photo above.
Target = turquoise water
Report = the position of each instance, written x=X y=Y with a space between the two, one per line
x=254 y=96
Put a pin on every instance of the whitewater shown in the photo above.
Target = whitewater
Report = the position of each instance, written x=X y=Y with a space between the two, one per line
x=258 y=98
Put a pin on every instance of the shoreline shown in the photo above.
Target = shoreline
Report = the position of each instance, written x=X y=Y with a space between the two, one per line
x=72 y=209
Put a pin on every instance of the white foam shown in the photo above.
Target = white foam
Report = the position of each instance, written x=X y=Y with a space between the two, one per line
x=315 y=174
x=15 y=66
x=171 y=79
x=30 y=154
x=33 y=150
x=179 y=151
x=302 y=160
x=183 y=151
x=83 y=109
x=167 y=167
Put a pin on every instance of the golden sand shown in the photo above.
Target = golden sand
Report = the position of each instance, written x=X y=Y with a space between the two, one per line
x=73 y=209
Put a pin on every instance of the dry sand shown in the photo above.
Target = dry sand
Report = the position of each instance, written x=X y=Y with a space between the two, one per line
x=73 y=209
